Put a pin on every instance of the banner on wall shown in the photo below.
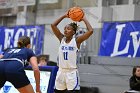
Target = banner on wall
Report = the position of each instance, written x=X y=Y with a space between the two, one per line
x=10 y=36
x=120 y=39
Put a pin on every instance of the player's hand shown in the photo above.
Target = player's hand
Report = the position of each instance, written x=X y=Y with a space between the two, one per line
x=1 y=55
x=83 y=19
x=66 y=14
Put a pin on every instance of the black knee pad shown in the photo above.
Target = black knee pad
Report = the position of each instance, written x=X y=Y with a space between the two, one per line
x=59 y=91
x=73 y=91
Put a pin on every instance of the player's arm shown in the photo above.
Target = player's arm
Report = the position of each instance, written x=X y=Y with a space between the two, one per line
x=33 y=61
x=55 y=29
x=87 y=34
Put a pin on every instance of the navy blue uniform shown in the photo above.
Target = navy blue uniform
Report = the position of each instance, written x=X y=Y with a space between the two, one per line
x=12 y=66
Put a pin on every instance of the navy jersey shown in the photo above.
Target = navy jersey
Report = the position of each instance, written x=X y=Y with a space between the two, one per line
x=20 y=54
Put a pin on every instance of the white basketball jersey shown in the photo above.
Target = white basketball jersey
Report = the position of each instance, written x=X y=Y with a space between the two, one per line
x=68 y=54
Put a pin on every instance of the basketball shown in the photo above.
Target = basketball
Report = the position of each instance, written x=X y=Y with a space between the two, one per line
x=76 y=13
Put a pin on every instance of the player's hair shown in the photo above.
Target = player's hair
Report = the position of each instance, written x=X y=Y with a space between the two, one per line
x=74 y=25
x=134 y=70
x=23 y=41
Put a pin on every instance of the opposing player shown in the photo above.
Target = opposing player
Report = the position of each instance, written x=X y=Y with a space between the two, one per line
x=12 y=66
x=67 y=79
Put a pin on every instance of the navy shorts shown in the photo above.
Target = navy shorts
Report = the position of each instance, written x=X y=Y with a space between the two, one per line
x=13 y=71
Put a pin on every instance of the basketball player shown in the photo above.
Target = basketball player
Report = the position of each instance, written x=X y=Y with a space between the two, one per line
x=12 y=66
x=67 y=79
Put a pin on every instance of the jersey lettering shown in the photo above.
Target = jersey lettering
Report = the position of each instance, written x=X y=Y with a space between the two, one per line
x=14 y=50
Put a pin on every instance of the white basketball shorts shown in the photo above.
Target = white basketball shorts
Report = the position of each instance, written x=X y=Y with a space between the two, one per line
x=67 y=79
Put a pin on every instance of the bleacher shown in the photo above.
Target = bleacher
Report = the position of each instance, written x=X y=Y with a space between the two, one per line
x=107 y=74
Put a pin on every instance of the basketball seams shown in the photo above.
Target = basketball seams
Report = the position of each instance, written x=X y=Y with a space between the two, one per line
x=76 y=13
x=80 y=16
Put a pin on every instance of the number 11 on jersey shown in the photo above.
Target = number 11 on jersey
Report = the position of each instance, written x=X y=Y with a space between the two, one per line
x=65 y=55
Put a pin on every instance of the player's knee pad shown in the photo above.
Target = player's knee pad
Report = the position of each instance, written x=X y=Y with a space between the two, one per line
x=73 y=91
x=59 y=91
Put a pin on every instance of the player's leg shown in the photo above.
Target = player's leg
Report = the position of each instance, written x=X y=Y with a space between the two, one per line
x=26 y=89
x=73 y=82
